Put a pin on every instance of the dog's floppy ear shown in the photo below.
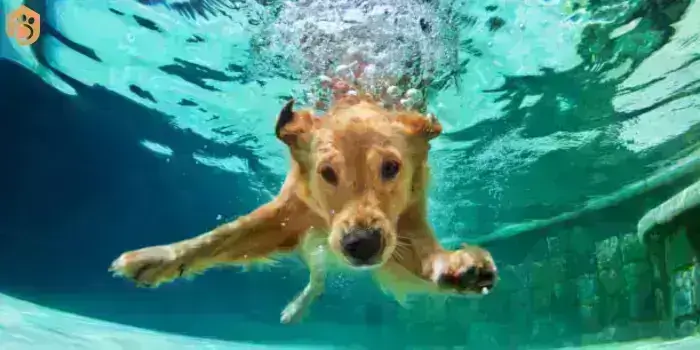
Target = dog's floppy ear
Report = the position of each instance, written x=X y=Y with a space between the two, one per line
x=416 y=124
x=292 y=126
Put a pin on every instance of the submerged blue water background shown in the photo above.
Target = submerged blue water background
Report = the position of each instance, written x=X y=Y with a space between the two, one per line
x=80 y=187
x=83 y=190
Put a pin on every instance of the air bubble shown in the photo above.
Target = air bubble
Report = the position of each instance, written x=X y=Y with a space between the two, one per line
x=341 y=69
x=393 y=91
x=321 y=38
x=414 y=95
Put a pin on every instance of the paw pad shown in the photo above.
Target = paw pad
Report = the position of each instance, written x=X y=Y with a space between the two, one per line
x=468 y=270
x=472 y=279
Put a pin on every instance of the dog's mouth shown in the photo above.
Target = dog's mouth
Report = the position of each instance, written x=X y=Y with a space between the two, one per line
x=363 y=265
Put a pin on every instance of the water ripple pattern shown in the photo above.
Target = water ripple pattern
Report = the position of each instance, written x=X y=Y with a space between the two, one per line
x=535 y=95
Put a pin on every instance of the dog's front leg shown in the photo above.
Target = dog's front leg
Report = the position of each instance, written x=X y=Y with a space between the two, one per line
x=470 y=269
x=275 y=226
x=313 y=250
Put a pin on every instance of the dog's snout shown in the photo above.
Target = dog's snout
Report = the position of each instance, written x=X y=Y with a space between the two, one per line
x=362 y=245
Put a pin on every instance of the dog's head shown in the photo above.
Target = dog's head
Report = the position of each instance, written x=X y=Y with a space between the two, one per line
x=360 y=167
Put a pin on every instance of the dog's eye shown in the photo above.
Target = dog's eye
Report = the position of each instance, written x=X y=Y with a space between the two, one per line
x=390 y=169
x=328 y=174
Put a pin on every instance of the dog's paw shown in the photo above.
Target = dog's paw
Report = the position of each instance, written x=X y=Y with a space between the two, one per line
x=468 y=270
x=149 y=267
x=296 y=309
x=292 y=313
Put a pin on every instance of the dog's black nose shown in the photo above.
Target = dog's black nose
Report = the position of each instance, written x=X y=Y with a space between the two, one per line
x=362 y=245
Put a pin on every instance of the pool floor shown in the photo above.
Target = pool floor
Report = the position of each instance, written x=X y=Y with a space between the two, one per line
x=28 y=326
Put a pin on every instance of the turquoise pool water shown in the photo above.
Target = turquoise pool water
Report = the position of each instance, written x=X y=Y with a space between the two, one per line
x=140 y=122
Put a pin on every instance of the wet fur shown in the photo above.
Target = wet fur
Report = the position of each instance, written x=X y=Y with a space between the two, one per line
x=309 y=216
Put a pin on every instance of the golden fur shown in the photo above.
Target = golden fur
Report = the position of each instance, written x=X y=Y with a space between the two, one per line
x=359 y=168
